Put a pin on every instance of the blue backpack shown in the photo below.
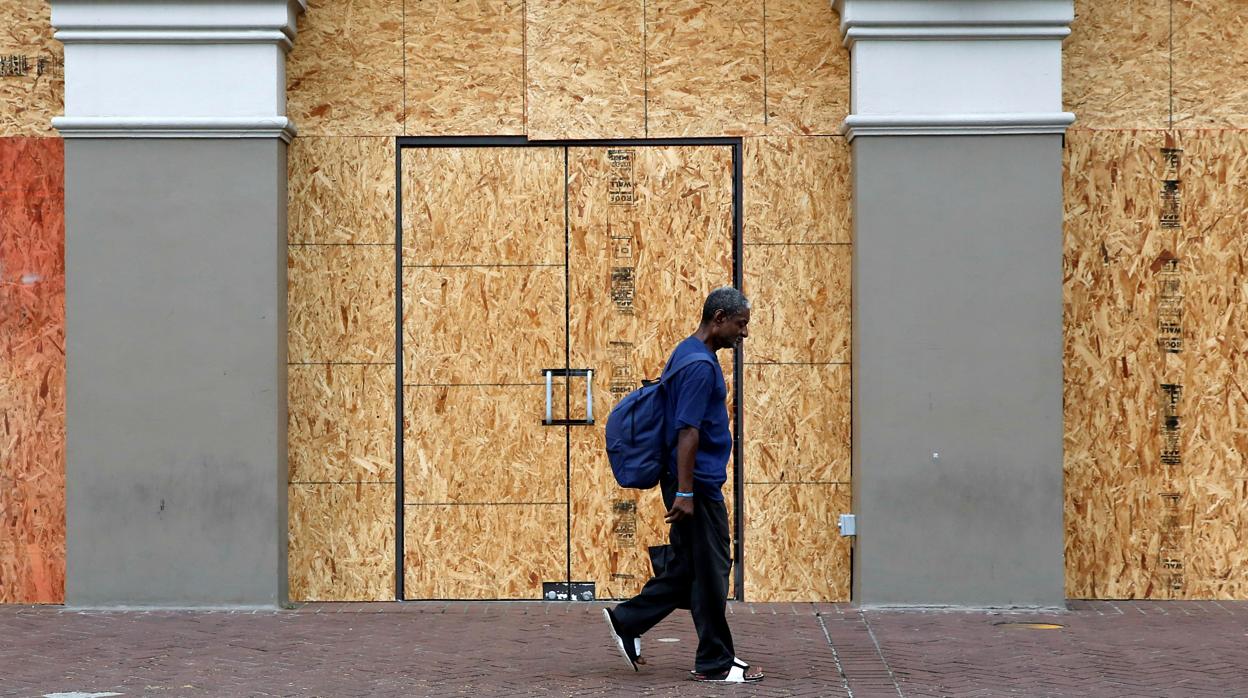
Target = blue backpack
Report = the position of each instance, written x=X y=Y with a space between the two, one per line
x=637 y=442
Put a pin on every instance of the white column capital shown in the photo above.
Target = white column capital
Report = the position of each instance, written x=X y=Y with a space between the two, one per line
x=955 y=67
x=175 y=69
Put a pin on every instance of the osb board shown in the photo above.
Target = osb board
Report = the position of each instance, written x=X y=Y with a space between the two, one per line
x=675 y=240
x=341 y=190
x=1210 y=63
x=483 y=206
x=344 y=76
x=585 y=69
x=340 y=303
x=1116 y=64
x=704 y=62
x=797 y=189
x=482 y=444
x=800 y=296
x=807 y=68
x=465 y=67
x=793 y=551
x=341 y=542
x=797 y=423
x=32 y=371
x=482 y=325
x=498 y=551
x=28 y=102
x=1140 y=514
x=640 y=272
x=341 y=423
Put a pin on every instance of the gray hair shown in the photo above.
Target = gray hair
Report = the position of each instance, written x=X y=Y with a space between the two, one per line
x=727 y=299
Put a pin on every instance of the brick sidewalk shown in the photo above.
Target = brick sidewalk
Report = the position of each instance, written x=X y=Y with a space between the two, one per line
x=1133 y=649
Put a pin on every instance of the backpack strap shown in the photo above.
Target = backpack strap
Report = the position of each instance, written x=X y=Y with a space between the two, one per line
x=671 y=370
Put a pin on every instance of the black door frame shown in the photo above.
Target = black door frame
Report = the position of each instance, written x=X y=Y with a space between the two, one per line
x=738 y=359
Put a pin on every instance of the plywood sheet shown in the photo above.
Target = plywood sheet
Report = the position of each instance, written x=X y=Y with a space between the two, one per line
x=807 y=68
x=341 y=190
x=1143 y=494
x=341 y=421
x=465 y=67
x=665 y=216
x=341 y=542
x=482 y=325
x=1115 y=64
x=482 y=444
x=1210 y=63
x=483 y=206
x=797 y=423
x=340 y=303
x=32 y=371
x=793 y=551
x=501 y=551
x=344 y=76
x=801 y=303
x=797 y=189
x=29 y=100
x=585 y=69
x=704 y=62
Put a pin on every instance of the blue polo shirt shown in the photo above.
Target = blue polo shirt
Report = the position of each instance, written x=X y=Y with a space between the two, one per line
x=697 y=397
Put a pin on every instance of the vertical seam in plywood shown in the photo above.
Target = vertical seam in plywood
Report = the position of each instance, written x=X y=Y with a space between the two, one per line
x=645 y=69
x=766 y=67
x=567 y=387
x=403 y=127
x=398 y=368
x=524 y=65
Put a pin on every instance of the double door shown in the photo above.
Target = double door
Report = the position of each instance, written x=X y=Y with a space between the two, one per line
x=540 y=285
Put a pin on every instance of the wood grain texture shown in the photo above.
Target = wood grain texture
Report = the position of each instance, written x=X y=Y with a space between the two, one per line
x=801 y=303
x=482 y=444
x=797 y=189
x=477 y=325
x=704 y=61
x=341 y=191
x=793 y=549
x=344 y=76
x=1210 y=62
x=483 y=206
x=675 y=238
x=1115 y=64
x=503 y=551
x=465 y=67
x=32 y=371
x=28 y=102
x=797 y=423
x=340 y=304
x=341 y=542
x=807 y=68
x=585 y=69
x=1150 y=507
x=341 y=423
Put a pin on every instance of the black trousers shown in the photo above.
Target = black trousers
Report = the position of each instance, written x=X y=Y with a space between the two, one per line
x=696 y=577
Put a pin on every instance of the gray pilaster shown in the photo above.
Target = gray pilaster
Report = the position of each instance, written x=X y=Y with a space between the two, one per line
x=957 y=365
x=176 y=350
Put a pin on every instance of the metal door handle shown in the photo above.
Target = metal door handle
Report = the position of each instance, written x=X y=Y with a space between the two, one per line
x=588 y=373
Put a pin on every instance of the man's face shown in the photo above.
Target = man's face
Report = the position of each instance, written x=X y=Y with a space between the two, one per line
x=729 y=330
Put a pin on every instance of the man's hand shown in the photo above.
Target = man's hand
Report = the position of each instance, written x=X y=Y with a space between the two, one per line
x=681 y=509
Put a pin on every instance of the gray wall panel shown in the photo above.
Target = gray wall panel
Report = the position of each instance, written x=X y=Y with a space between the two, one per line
x=176 y=350
x=958 y=352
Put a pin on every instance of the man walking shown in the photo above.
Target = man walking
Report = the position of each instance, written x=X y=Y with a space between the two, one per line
x=696 y=577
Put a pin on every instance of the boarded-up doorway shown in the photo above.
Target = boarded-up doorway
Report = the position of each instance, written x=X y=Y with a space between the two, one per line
x=535 y=281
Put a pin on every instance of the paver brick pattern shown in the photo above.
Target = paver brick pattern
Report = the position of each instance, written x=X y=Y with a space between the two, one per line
x=1136 y=649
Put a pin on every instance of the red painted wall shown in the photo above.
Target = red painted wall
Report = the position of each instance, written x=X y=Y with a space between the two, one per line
x=32 y=370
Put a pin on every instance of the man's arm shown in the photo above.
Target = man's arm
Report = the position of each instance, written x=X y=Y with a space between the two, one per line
x=686 y=453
